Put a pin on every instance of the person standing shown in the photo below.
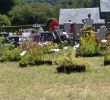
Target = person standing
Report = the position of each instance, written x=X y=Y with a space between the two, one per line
x=54 y=25
x=67 y=26
x=88 y=21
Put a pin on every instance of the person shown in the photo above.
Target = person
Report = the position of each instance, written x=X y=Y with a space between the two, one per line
x=88 y=21
x=72 y=28
x=67 y=26
x=54 y=25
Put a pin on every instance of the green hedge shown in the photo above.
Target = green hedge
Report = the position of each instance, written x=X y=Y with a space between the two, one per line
x=14 y=28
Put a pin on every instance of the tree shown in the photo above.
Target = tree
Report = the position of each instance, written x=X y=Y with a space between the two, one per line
x=19 y=2
x=95 y=3
x=4 y=20
x=31 y=13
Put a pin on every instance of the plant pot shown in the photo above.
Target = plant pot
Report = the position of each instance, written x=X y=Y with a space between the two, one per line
x=80 y=68
x=1 y=60
x=106 y=62
x=87 y=55
x=22 y=65
x=48 y=62
x=71 y=68
x=32 y=64
x=39 y=62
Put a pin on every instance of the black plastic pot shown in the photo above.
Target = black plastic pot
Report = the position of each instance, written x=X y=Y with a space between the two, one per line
x=1 y=60
x=106 y=62
x=48 y=62
x=87 y=55
x=22 y=65
x=39 y=62
x=72 y=68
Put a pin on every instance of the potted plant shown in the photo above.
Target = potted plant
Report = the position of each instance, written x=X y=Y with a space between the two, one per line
x=68 y=63
x=107 y=59
x=69 y=66
x=24 y=61
x=3 y=59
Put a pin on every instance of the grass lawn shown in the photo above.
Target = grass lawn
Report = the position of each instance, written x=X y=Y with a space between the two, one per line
x=44 y=83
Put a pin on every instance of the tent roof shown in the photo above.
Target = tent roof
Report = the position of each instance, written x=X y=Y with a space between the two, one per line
x=76 y=15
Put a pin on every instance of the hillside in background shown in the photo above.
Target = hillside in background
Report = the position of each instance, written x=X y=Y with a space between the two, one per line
x=69 y=3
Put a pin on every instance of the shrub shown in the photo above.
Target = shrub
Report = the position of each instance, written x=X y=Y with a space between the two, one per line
x=65 y=57
x=2 y=39
x=12 y=55
x=3 y=59
x=107 y=56
x=9 y=46
x=24 y=61
x=5 y=21
x=88 y=44
x=105 y=47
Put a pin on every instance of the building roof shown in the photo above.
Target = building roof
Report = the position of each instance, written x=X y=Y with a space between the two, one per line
x=76 y=15
x=105 y=5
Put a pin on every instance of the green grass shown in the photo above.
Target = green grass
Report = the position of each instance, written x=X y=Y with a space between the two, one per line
x=44 y=83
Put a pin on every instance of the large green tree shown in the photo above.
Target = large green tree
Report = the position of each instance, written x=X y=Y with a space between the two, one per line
x=31 y=13
x=95 y=3
x=4 y=20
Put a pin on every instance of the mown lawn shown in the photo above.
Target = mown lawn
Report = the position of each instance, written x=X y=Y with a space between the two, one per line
x=44 y=83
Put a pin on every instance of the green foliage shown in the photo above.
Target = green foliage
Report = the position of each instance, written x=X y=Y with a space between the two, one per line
x=48 y=23
x=14 y=28
x=2 y=40
x=68 y=62
x=65 y=57
x=24 y=61
x=38 y=54
x=31 y=13
x=107 y=57
x=88 y=46
x=38 y=11
x=105 y=47
x=4 y=20
x=95 y=3
x=3 y=59
x=8 y=52
x=12 y=55
x=9 y=46
x=19 y=2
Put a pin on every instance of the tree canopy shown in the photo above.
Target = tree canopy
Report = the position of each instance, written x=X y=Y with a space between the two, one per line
x=31 y=13
x=38 y=11
x=4 y=20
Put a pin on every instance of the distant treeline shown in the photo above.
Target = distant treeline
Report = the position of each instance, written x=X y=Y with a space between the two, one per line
x=23 y=12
